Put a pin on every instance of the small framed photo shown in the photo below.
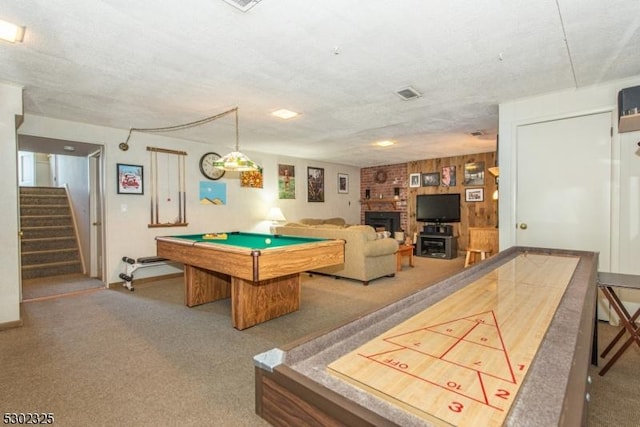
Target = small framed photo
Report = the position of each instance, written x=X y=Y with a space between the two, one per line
x=474 y=195
x=129 y=179
x=414 y=180
x=343 y=183
x=431 y=179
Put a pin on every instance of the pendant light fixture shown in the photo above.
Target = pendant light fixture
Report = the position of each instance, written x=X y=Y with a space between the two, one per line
x=236 y=161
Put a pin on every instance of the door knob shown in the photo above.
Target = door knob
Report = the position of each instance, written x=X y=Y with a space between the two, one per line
x=523 y=226
x=97 y=223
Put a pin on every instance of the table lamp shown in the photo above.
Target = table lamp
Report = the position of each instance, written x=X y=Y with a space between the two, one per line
x=276 y=216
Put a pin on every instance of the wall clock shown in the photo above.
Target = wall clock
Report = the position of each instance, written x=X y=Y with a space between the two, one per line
x=380 y=177
x=206 y=166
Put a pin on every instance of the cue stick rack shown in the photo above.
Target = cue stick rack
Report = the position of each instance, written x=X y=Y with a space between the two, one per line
x=175 y=163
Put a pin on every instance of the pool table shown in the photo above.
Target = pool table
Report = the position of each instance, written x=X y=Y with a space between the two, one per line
x=259 y=272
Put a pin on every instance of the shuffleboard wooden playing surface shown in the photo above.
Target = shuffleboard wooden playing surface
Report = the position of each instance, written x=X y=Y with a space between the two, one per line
x=461 y=361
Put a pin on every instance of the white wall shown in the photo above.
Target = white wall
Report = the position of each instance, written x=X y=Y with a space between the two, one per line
x=625 y=180
x=10 y=107
x=127 y=216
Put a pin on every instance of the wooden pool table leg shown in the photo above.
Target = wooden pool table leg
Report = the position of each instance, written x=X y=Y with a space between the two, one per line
x=202 y=286
x=257 y=302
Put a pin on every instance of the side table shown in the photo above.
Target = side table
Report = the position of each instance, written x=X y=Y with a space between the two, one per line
x=404 y=251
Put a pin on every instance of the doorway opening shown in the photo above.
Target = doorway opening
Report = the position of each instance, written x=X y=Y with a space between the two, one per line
x=61 y=247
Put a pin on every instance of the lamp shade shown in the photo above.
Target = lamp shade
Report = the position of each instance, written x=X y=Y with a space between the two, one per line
x=235 y=161
x=275 y=215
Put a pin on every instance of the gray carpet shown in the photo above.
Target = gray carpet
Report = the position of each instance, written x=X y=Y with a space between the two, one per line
x=114 y=357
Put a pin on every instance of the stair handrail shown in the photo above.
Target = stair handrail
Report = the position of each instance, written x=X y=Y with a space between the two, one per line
x=75 y=227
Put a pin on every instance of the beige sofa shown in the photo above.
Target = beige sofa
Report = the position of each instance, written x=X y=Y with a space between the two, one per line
x=368 y=255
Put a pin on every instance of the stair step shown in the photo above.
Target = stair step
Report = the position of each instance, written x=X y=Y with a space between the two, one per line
x=43 y=190
x=49 y=264
x=43 y=210
x=49 y=256
x=48 y=243
x=42 y=221
x=47 y=231
x=51 y=269
x=47 y=251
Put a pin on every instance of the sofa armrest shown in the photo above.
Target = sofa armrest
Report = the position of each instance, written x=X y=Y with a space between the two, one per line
x=380 y=247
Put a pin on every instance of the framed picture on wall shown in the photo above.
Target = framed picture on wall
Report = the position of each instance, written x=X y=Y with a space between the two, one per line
x=474 y=195
x=474 y=173
x=414 y=180
x=343 y=183
x=448 y=176
x=129 y=179
x=286 y=182
x=431 y=179
x=315 y=184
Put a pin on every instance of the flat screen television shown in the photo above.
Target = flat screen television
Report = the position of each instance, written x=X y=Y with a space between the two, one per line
x=438 y=208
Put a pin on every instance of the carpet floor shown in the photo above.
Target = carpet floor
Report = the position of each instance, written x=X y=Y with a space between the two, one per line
x=114 y=357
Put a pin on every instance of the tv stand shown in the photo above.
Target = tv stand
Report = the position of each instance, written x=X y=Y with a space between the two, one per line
x=437 y=229
x=437 y=246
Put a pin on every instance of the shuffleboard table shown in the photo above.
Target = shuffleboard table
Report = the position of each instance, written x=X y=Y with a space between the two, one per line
x=505 y=342
x=259 y=272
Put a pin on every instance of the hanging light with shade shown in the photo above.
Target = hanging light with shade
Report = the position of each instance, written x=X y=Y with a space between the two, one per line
x=236 y=161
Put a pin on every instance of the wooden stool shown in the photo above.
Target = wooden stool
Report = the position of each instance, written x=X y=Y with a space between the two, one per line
x=472 y=253
x=483 y=241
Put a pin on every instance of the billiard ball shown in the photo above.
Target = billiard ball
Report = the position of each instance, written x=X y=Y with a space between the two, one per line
x=267 y=241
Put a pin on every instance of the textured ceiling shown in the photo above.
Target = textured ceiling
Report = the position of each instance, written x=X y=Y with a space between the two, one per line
x=150 y=63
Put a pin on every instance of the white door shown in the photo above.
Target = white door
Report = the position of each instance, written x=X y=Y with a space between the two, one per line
x=563 y=188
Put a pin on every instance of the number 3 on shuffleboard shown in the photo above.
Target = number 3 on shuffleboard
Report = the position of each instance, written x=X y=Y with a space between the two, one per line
x=456 y=406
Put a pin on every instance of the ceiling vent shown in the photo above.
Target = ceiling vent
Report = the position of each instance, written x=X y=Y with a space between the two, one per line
x=408 y=93
x=243 y=5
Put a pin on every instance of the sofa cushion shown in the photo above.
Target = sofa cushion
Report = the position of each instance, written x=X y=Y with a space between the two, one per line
x=330 y=226
x=335 y=221
x=295 y=224
x=320 y=221
x=311 y=221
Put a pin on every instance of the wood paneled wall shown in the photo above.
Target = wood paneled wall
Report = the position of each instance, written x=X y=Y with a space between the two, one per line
x=473 y=214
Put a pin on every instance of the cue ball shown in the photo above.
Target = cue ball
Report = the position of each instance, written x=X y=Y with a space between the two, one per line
x=267 y=241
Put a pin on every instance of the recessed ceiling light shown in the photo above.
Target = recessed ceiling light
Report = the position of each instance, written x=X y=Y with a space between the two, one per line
x=11 y=32
x=385 y=143
x=69 y=148
x=285 y=114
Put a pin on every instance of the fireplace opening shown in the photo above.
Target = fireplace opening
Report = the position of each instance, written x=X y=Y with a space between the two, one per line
x=383 y=221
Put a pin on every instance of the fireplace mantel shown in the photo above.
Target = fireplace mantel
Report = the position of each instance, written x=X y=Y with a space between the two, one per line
x=390 y=202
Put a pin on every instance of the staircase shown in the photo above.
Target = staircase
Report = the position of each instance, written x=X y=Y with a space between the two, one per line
x=49 y=243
